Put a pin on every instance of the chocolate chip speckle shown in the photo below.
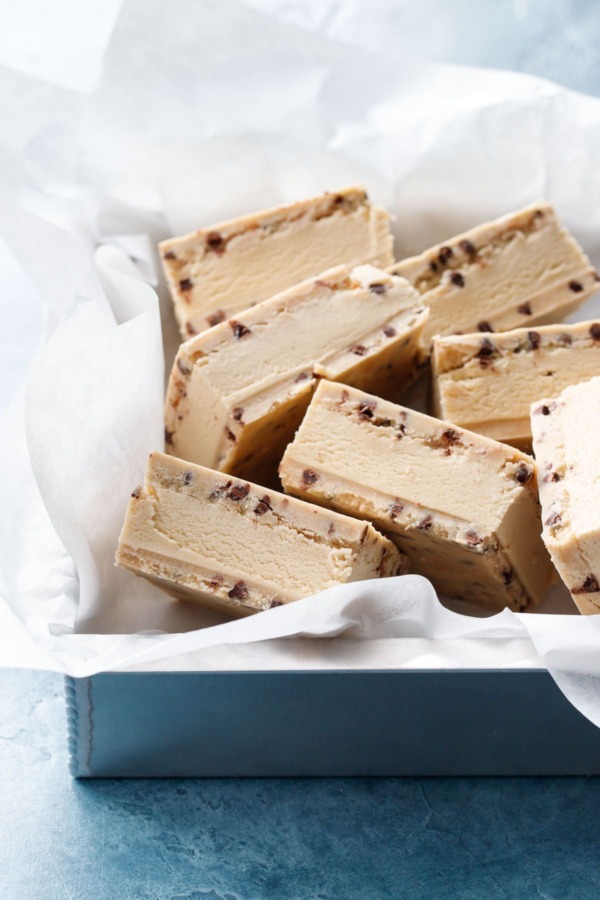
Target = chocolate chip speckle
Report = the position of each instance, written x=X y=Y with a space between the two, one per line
x=136 y=492
x=389 y=331
x=186 y=284
x=275 y=603
x=185 y=370
x=215 y=242
x=444 y=254
x=377 y=288
x=507 y=576
x=525 y=309
x=301 y=377
x=589 y=586
x=169 y=436
x=216 y=317
x=523 y=474
x=553 y=520
x=467 y=247
x=230 y=435
x=187 y=477
x=575 y=286
x=457 y=279
x=238 y=492
x=425 y=523
x=190 y=329
x=450 y=437
x=309 y=477
x=239 y=591
x=237 y=413
x=473 y=539
x=366 y=408
x=533 y=340
x=484 y=326
x=169 y=255
x=263 y=506
x=486 y=349
x=239 y=330
x=433 y=266
x=595 y=331
x=359 y=350
x=395 y=509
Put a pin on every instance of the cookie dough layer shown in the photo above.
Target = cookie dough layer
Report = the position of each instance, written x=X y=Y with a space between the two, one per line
x=239 y=391
x=462 y=507
x=488 y=383
x=214 y=272
x=565 y=440
x=517 y=271
x=227 y=544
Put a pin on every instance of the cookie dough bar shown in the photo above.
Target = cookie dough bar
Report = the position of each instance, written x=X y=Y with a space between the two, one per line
x=227 y=544
x=565 y=441
x=238 y=392
x=462 y=507
x=488 y=383
x=217 y=271
x=521 y=270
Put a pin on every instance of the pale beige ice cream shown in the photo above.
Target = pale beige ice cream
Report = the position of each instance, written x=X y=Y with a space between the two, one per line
x=229 y=545
x=215 y=272
x=487 y=383
x=521 y=270
x=566 y=445
x=462 y=507
x=238 y=391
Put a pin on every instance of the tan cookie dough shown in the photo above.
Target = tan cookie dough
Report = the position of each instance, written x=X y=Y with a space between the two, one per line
x=565 y=440
x=215 y=272
x=462 y=507
x=487 y=383
x=229 y=545
x=238 y=391
x=521 y=270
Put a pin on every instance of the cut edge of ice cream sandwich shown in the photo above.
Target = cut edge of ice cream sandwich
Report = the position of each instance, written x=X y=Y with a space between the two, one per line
x=238 y=391
x=566 y=448
x=463 y=507
x=229 y=545
x=524 y=268
x=214 y=272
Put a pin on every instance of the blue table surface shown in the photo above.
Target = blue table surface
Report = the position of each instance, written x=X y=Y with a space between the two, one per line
x=308 y=838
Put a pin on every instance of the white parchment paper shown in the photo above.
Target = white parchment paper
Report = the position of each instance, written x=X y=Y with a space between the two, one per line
x=205 y=111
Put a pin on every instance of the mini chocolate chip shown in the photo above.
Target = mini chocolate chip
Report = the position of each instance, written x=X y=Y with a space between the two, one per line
x=554 y=519
x=467 y=247
x=186 y=284
x=230 y=435
x=215 y=242
x=589 y=586
x=344 y=396
x=565 y=340
x=366 y=409
x=239 y=330
x=219 y=491
x=169 y=436
x=473 y=539
x=389 y=331
x=433 y=266
x=545 y=410
x=401 y=431
x=182 y=367
x=595 y=331
x=239 y=591
x=237 y=413
x=523 y=474
x=486 y=348
x=484 y=326
x=301 y=377
x=263 y=506
x=309 y=477
x=275 y=603
x=395 y=509
x=359 y=349
x=507 y=576
x=551 y=476
x=534 y=340
x=575 y=286
x=216 y=581
x=425 y=523
x=525 y=309
x=137 y=491
x=457 y=279
x=169 y=255
x=596 y=276
x=238 y=492
x=190 y=329
x=216 y=317
x=444 y=254
x=451 y=436
x=187 y=477
x=377 y=288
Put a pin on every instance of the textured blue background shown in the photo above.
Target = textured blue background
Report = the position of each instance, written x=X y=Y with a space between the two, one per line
x=331 y=839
